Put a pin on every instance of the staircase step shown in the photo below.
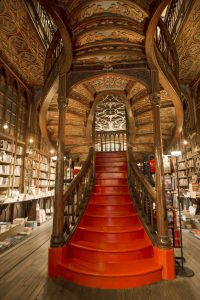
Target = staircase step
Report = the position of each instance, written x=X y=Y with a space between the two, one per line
x=110 y=189
x=112 y=164
x=110 y=233
x=111 y=159
x=110 y=175
x=111 y=199
x=111 y=169
x=109 y=209
x=98 y=219
x=111 y=182
x=111 y=275
x=110 y=252
x=111 y=154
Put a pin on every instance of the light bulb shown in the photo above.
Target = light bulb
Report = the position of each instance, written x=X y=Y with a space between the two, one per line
x=5 y=126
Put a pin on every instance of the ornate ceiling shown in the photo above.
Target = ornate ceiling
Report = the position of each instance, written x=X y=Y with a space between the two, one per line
x=110 y=113
x=106 y=31
x=20 y=45
x=188 y=46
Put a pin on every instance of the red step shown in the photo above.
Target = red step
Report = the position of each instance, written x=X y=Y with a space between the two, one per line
x=110 y=233
x=98 y=219
x=112 y=169
x=110 y=190
x=109 y=209
x=111 y=182
x=111 y=199
x=109 y=163
x=110 y=175
x=111 y=154
x=110 y=159
x=110 y=252
x=111 y=275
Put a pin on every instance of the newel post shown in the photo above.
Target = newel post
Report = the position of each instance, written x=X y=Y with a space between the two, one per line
x=161 y=211
x=58 y=219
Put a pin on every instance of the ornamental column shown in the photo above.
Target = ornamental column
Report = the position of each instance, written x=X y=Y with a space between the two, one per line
x=58 y=219
x=161 y=211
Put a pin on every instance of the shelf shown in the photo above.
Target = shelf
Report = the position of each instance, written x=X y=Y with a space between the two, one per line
x=4 y=174
x=4 y=186
x=9 y=151
x=5 y=162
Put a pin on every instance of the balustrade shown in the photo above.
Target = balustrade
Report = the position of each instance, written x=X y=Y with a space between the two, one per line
x=44 y=23
x=166 y=47
x=53 y=53
x=143 y=193
x=110 y=141
x=174 y=16
x=77 y=194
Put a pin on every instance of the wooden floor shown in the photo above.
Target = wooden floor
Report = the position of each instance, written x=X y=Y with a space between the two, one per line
x=23 y=275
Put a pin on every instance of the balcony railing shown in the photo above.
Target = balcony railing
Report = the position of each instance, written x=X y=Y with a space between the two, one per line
x=110 y=141
x=42 y=21
x=175 y=14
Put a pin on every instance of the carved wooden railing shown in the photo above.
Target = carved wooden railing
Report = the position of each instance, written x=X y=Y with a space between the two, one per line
x=167 y=49
x=43 y=22
x=143 y=193
x=110 y=141
x=53 y=53
x=76 y=196
x=175 y=14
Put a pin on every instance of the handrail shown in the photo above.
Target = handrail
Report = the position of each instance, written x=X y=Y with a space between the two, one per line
x=156 y=61
x=76 y=195
x=167 y=48
x=53 y=53
x=42 y=20
x=143 y=192
x=175 y=14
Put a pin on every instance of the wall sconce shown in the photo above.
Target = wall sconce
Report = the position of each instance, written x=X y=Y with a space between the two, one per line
x=185 y=142
x=5 y=126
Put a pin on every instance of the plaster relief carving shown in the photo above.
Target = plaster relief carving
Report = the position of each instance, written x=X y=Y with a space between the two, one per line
x=110 y=114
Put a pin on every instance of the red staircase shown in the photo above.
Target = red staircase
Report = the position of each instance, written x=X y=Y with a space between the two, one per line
x=110 y=248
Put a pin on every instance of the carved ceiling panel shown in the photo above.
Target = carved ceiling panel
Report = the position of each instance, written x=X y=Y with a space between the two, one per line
x=110 y=114
x=111 y=53
x=20 y=46
x=188 y=45
x=109 y=82
x=136 y=88
x=108 y=35
x=93 y=8
x=83 y=91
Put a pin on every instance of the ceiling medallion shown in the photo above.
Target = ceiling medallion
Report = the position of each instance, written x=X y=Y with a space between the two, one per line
x=110 y=114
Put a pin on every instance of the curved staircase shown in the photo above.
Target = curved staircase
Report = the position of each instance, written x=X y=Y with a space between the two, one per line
x=110 y=248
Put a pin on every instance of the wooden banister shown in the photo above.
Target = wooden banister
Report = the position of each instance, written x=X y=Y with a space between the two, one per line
x=77 y=194
x=143 y=193
x=53 y=53
x=166 y=46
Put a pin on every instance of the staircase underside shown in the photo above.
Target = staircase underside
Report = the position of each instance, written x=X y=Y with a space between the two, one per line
x=110 y=248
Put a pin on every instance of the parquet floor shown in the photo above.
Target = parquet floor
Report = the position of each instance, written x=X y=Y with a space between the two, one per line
x=23 y=276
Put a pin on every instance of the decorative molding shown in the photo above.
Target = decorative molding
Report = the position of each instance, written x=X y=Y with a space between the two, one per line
x=20 y=44
x=188 y=45
x=110 y=113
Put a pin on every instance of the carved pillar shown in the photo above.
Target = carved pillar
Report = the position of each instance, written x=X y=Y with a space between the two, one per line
x=162 y=224
x=58 y=220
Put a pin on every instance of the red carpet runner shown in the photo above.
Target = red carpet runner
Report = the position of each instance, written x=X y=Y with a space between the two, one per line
x=110 y=248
